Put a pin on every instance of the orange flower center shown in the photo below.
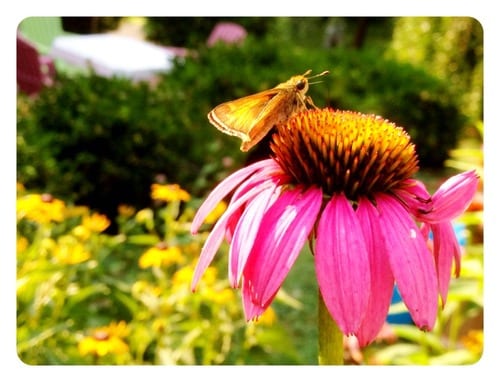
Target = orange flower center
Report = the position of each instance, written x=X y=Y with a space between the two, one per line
x=344 y=151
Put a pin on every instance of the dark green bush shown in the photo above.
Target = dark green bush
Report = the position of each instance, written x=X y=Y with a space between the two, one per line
x=102 y=142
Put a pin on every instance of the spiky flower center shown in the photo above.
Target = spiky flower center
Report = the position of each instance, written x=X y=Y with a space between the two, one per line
x=344 y=151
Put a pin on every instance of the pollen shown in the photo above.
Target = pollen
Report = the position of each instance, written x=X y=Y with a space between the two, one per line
x=344 y=151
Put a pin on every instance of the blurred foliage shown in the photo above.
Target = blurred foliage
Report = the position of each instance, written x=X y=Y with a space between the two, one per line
x=85 y=297
x=193 y=32
x=101 y=142
x=451 y=48
x=86 y=25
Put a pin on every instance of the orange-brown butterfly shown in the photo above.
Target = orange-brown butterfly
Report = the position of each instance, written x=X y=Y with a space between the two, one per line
x=252 y=117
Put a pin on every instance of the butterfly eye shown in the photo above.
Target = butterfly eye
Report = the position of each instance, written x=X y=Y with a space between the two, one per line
x=301 y=84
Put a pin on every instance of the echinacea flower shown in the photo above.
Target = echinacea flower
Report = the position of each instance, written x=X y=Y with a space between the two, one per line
x=343 y=181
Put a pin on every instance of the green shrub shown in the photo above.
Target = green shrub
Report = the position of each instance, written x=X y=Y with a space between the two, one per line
x=101 y=142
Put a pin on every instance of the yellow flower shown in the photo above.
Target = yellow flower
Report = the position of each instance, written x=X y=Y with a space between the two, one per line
x=126 y=210
x=214 y=215
x=81 y=232
x=169 y=193
x=159 y=325
x=41 y=208
x=47 y=245
x=144 y=216
x=142 y=287
x=268 y=317
x=96 y=222
x=210 y=276
x=183 y=276
x=105 y=340
x=20 y=188
x=22 y=244
x=69 y=251
x=161 y=255
x=222 y=296
x=473 y=341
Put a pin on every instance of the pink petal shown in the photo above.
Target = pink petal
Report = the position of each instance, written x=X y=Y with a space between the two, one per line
x=225 y=187
x=446 y=248
x=216 y=236
x=342 y=264
x=452 y=198
x=246 y=231
x=271 y=170
x=414 y=195
x=250 y=308
x=382 y=281
x=267 y=176
x=411 y=262
x=282 y=234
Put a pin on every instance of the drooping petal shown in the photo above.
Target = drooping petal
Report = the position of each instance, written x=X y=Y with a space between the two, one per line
x=282 y=234
x=446 y=248
x=414 y=195
x=225 y=187
x=381 y=278
x=216 y=236
x=246 y=231
x=342 y=264
x=252 y=310
x=411 y=262
x=452 y=198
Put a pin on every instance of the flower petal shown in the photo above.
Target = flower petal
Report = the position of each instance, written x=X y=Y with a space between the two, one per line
x=342 y=264
x=414 y=196
x=245 y=233
x=216 y=236
x=446 y=248
x=452 y=198
x=381 y=278
x=282 y=234
x=225 y=187
x=411 y=261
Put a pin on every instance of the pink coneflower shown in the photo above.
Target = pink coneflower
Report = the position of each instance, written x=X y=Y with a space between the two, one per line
x=343 y=181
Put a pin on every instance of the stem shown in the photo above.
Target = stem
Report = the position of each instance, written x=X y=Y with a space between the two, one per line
x=330 y=338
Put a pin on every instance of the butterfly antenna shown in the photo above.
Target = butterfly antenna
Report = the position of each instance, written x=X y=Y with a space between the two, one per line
x=323 y=73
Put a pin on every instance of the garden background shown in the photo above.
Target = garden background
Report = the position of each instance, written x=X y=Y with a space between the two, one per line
x=110 y=173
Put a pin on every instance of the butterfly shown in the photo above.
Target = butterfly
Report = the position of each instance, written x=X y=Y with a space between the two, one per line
x=250 y=118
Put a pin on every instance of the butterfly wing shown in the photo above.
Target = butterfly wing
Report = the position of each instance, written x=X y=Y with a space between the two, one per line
x=250 y=118
x=238 y=117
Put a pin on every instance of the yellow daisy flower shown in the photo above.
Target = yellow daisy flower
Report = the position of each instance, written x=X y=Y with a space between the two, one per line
x=169 y=193
x=96 y=222
x=41 y=208
x=161 y=255
x=105 y=340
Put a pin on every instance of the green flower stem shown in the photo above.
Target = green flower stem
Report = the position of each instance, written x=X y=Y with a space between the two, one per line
x=330 y=338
